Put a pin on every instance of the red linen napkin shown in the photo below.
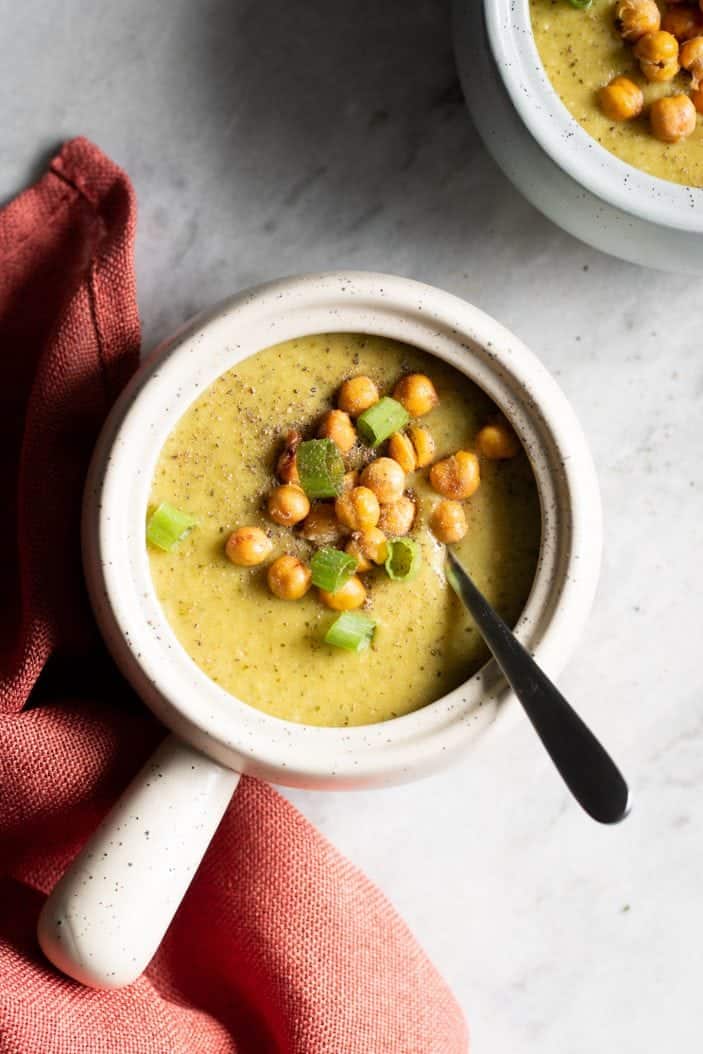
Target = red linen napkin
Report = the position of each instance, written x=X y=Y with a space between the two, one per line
x=280 y=945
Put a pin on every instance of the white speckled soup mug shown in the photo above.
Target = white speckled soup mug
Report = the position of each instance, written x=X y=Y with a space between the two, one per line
x=107 y=915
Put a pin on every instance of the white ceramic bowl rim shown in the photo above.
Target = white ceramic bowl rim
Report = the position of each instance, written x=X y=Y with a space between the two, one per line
x=117 y=491
x=561 y=136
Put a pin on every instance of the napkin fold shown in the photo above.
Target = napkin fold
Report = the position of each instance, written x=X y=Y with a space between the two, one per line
x=280 y=945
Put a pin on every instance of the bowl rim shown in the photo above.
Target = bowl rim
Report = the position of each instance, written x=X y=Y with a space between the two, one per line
x=116 y=563
x=571 y=147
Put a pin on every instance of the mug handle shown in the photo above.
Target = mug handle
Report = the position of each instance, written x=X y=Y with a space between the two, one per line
x=106 y=917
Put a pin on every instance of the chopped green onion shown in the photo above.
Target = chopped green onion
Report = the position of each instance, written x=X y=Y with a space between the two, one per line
x=403 y=560
x=381 y=420
x=168 y=525
x=320 y=468
x=581 y=4
x=331 y=568
x=351 y=631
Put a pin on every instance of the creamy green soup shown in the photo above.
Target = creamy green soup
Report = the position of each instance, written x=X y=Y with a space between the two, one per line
x=581 y=51
x=218 y=465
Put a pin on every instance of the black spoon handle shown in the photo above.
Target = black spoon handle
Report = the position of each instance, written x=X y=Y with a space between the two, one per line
x=588 y=771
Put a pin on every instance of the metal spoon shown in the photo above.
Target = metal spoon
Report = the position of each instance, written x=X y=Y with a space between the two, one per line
x=588 y=771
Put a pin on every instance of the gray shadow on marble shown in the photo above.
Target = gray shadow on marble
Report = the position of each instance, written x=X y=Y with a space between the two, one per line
x=344 y=130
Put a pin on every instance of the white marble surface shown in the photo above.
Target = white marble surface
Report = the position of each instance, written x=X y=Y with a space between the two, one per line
x=266 y=138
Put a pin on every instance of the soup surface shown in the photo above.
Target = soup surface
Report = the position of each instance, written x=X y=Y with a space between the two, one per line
x=218 y=465
x=581 y=51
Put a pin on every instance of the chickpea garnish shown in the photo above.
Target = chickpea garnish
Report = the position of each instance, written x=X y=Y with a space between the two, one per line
x=369 y=547
x=658 y=55
x=397 y=517
x=448 y=521
x=374 y=545
x=416 y=393
x=697 y=99
x=691 y=58
x=321 y=525
x=457 y=476
x=354 y=549
x=497 y=441
x=400 y=448
x=336 y=425
x=621 y=100
x=288 y=505
x=350 y=480
x=356 y=395
x=661 y=74
x=248 y=546
x=289 y=578
x=423 y=443
x=672 y=118
x=286 y=467
x=385 y=478
x=634 y=18
x=358 y=509
x=682 y=22
x=349 y=596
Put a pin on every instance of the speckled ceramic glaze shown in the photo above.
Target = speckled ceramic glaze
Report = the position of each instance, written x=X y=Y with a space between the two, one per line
x=556 y=164
x=97 y=943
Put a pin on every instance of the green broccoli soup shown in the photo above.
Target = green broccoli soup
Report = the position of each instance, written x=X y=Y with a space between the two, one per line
x=631 y=73
x=297 y=522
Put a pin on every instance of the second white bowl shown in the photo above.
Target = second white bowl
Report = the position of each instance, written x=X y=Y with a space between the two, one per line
x=553 y=161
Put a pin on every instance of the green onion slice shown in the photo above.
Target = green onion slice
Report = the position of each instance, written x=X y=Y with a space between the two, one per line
x=381 y=420
x=403 y=560
x=581 y=4
x=167 y=526
x=320 y=468
x=351 y=631
x=331 y=568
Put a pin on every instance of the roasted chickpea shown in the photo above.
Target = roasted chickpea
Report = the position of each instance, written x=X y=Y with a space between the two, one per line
x=682 y=22
x=288 y=505
x=423 y=443
x=286 y=466
x=448 y=521
x=321 y=525
x=354 y=549
x=358 y=509
x=662 y=74
x=621 y=100
x=634 y=18
x=349 y=596
x=248 y=546
x=337 y=426
x=658 y=55
x=691 y=58
x=697 y=99
x=397 y=518
x=350 y=480
x=672 y=118
x=497 y=441
x=457 y=476
x=356 y=395
x=289 y=578
x=401 y=450
x=385 y=478
x=417 y=394
x=371 y=546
